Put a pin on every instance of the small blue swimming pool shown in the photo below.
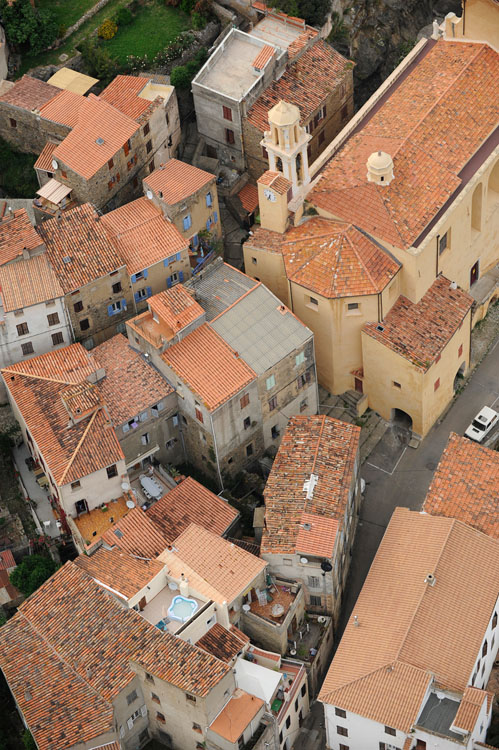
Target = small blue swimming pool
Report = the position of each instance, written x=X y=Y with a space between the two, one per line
x=182 y=609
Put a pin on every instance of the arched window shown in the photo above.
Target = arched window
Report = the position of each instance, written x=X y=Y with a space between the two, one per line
x=493 y=188
x=476 y=208
x=278 y=164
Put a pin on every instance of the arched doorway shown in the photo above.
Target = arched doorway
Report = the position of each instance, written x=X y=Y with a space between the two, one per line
x=459 y=375
x=401 y=419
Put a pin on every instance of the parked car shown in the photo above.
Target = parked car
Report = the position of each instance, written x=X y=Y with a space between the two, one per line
x=484 y=422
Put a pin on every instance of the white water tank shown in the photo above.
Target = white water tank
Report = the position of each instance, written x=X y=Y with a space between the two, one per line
x=184 y=587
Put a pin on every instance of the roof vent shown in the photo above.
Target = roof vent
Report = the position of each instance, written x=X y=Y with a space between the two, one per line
x=309 y=485
x=306 y=526
x=430 y=579
x=27 y=695
x=380 y=328
x=66 y=259
x=99 y=141
x=453 y=285
x=380 y=168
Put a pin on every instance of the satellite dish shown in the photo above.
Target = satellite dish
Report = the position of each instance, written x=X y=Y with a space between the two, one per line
x=54 y=164
x=304 y=560
x=293 y=652
x=125 y=486
x=149 y=194
x=326 y=566
x=321 y=619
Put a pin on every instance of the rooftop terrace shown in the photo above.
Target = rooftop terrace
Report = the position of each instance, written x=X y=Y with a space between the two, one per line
x=156 y=611
x=274 y=31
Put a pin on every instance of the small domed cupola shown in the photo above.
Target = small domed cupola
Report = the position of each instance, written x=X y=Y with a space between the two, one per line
x=380 y=168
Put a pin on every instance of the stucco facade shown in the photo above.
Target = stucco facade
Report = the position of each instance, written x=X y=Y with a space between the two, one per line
x=46 y=323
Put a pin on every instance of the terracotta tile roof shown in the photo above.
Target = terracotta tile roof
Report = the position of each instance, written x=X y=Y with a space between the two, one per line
x=17 y=233
x=317 y=445
x=44 y=161
x=300 y=42
x=239 y=634
x=79 y=236
x=305 y=83
x=123 y=94
x=28 y=282
x=248 y=195
x=130 y=384
x=331 y=258
x=177 y=180
x=29 y=93
x=419 y=332
x=470 y=708
x=190 y=502
x=71 y=451
x=60 y=707
x=142 y=235
x=411 y=632
x=63 y=108
x=136 y=534
x=276 y=181
x=176 y=307
x=92 y=526
x=221 y=643
x=236 y=715
x=7 y=560
x=465 y=485
x=228 y=373
x=263 y=57
x=120 y=571
x=453 y=92
x=96 y=120
x=220 y=569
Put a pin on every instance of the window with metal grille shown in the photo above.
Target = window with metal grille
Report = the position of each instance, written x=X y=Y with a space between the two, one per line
x=27 y=348
x=227 y=113
x=78 y=307
x=229 y=136
x=244 y=401
x=342 y=730
x=84 y=324
x=53 y=319
x=199 y=416
x=57 y=338
x=22 y=329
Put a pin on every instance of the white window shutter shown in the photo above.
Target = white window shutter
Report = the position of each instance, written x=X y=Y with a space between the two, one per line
x=129 y=723
x=143 y=710
x=122 y=731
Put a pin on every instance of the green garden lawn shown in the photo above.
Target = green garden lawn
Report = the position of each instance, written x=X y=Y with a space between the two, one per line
x=66 y=12
x=151 y=30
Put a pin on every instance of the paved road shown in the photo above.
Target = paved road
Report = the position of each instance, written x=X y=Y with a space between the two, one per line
x=410 y=471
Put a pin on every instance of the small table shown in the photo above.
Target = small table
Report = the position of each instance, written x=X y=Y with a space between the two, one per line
x=151 y=486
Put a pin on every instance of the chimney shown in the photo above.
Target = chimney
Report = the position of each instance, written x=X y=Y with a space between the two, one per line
x=380 y=168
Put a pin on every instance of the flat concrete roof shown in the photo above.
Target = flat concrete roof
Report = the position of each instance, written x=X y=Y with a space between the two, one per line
x=273 y=31
x=229 y=70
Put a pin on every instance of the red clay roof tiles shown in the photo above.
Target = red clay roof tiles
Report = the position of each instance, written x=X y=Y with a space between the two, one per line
x=176 y=307
x=317 y=445
x=123 y=93
x=265 y=54
x=276 y=181
x=16 y=233
x=177 y=180
x=28 y=282
x=44 y=161
x=63 y=108
x=29 y=93
x=136 y=534
x=466 y=485
x=221 y=643
x=248 y=195
x=122 y=572
x=419 y=332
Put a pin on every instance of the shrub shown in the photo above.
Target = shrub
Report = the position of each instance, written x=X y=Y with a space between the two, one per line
x=107 y=29
x=202 y=7
x=123 y=17
x=187 y=5
x=28 y=741
x=172 y=3
x=31 y=573
x=98 y=61
x=180 y=77
x=198 y=21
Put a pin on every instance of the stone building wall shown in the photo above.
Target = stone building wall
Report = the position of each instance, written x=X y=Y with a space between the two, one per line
x=30 y=132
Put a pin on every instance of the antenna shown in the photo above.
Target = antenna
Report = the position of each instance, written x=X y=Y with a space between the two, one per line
x=356 y=621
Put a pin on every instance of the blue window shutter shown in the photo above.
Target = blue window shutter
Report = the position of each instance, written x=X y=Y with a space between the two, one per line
x=181 y=275
x=110 y=310
x=166 y=261
x=208 y=225
x=134 y=278
x=215 y=216
x=187 y=221
x=149 y=291
x=195 y=241
x=177 y=257
x=136 y=296
x=169 y=282
x=208 y=199
x=145 y=273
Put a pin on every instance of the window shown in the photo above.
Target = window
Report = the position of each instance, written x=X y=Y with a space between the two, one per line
x=321 y=137
x=315 y=601
x=227 y=113
x=57 y=338
x=64 y=174
x=275 y=432
x=143 y=736
x=112 y=471
x=460 y=351
x=303 y=689
x=110 y=184
x=199 y=416
x=78 y=307
x=314 y=583
x=485 y=648
x=287 y=561
x=390 y=730
x=148 y=147
x=145 y=438
x=314 y=302
x=151 y=167
x=341 y=713
x=197 y=727
x=280 y=738
x=110 y=163
x=270 y=382
x=443 y=243
x=187 y=222
x=191 y=698
x=344 y=113
x=146 y=129
x=135 y=181
x=253 y=260
x=300 y=358
x=160 y=717
x=247 y=423
x=494 y=620
x=288 y=722
x=126 y=147
x=273 y=403
x=249 y=450
x=116 y=307
x=353 y=306
x=342 y=730
x=22 y=329
x=344 y=747
x=116 y=287
x=53 y=319
x=395 y=384
x=27 y=348
x=296 y=705
x=131 y=697
x=149 y=678
x=436 y=384
x=302 y=380
x=229 y=136
x=209 y=200
x=303 y=404
x=84 y=324
x=75 y=485
x=143 y=416
x=142 y=294
x=244 y=401
x=13 y=123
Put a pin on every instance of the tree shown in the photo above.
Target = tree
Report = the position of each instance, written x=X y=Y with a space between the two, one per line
x=28 y=741
x=26 y=27
x=31 y=573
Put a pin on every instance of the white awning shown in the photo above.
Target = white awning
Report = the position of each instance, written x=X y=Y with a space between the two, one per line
x=54 y=191
x=142 y=456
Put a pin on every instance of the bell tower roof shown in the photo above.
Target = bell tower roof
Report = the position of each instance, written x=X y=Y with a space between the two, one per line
x=284 y=114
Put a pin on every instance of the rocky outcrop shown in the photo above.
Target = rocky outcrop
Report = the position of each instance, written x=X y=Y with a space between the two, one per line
x=377 y=34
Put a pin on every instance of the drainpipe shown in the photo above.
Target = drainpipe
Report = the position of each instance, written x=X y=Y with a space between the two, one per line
x=436 y=264
x=316 y=380
x=216 y=455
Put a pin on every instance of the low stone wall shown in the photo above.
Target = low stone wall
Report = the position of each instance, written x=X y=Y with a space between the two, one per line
x=95 y=9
